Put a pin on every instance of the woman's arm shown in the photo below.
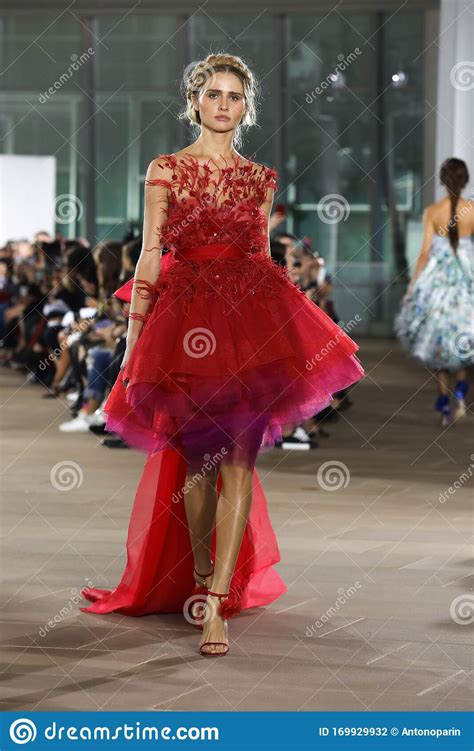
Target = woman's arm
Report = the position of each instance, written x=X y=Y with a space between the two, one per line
x=149 y=263
x=267 y=208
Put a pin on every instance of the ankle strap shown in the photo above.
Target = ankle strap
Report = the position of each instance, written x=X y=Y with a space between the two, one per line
x=217 y=594
x=203 y=575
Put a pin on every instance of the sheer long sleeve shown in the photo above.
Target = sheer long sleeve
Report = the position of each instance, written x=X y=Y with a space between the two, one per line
x=148 y=267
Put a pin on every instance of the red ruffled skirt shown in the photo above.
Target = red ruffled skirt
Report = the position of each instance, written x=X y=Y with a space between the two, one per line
x=231 y=352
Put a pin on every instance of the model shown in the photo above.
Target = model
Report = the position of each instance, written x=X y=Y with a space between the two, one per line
x=222 y=351
x=436 y=319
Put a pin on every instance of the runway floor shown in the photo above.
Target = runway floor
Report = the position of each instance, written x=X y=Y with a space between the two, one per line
x=388 y=531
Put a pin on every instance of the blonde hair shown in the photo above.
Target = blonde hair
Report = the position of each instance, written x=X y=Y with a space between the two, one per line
x=197 y=74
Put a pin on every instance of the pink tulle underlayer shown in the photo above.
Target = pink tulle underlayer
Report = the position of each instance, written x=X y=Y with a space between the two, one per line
x=224 y=372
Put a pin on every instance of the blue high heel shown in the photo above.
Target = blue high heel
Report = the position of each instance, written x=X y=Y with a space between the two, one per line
x=443 y=405
x=459 y=394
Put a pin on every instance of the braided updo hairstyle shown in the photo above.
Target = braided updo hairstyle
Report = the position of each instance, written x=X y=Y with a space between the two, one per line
x=454 y=176
x=196 y=76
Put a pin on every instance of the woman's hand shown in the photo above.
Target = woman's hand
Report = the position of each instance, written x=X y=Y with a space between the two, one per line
x=126 y=357
x=408 y=293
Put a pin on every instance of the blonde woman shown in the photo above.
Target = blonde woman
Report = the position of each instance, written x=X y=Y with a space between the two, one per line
x=222 y=351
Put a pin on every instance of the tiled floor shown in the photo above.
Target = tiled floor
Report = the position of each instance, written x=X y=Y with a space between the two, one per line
x=373 y=533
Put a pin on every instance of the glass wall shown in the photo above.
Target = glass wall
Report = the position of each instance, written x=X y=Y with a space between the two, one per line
x=341 y=118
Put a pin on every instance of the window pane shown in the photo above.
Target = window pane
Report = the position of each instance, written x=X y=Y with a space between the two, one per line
x=331 y=71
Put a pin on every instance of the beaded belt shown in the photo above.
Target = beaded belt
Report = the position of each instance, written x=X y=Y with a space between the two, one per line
x=208 y=252
x=147 y=290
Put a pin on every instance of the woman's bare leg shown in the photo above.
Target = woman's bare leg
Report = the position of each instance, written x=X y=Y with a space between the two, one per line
x=233 y=509
x=460 y=410
x=200 y=502
x=62 y=362
x=442 y=377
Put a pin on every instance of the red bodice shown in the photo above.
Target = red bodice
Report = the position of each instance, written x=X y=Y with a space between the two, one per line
x=216 y=230
x=208 y=206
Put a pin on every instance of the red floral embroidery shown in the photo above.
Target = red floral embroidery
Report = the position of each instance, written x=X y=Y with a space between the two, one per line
x=147 y=291
x=140 y=316
x=208 y=205
x=225 y=282
x=144 y=288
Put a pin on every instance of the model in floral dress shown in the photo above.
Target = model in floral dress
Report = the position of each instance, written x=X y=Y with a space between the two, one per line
x=435 y=323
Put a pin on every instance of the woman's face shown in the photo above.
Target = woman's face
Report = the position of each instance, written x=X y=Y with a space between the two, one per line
x=221 y=102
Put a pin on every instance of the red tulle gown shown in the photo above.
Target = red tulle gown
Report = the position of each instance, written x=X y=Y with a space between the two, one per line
x=230 y=352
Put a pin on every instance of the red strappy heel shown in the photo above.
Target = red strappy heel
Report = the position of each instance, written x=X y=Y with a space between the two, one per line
x=221 y=612
x=200 y=588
